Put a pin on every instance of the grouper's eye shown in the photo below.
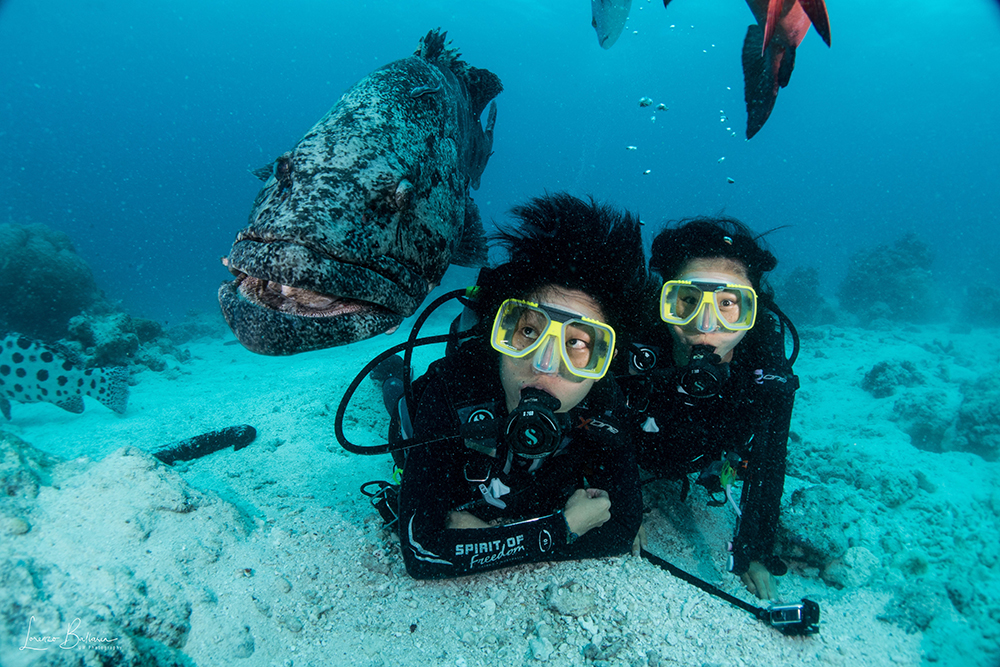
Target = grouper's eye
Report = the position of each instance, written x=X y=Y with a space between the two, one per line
x=403 y=194
x=283 y=168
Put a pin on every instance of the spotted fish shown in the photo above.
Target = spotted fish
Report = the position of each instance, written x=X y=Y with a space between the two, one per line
x=32 y=372
x=358 y=222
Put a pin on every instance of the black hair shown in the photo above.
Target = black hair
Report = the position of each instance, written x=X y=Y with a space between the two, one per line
x=719 y=237
x=561 y=240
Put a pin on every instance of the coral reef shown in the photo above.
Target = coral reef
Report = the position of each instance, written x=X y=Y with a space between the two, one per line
x=926 y=415
x=854 y=569
x=884 y=283
x=116 y=339
x=820 y=522
x=942 y=576
x=799 y=296
x=885 y=376
x=23 y=471
x=43 y=282
x=978 y=424
x=48 y=292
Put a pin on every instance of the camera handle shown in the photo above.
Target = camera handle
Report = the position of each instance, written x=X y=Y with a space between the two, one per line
x=800 y=618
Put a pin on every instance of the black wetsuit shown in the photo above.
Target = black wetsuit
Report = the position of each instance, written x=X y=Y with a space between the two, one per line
x=459 y=473
x=748 y=420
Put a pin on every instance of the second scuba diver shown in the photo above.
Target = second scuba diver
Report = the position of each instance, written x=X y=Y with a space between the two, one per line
x=530 y=460
x=710 y=383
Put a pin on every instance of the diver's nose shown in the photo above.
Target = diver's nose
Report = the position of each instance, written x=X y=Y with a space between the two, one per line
x=547 y=356
x=707 y=322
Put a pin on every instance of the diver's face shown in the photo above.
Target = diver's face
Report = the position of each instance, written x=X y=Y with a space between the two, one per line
x=518 y=374
x=687 y=336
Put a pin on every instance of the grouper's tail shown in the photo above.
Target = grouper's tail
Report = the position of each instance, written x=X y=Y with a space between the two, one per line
x=111 y=388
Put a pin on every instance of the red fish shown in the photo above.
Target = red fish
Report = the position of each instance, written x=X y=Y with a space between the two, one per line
x=769 y=51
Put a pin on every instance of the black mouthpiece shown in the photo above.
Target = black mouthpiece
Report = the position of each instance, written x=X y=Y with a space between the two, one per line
x=532 y=396
x=533 y=429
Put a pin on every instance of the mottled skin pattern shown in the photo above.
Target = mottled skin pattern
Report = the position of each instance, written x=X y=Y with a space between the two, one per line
x=357 y=223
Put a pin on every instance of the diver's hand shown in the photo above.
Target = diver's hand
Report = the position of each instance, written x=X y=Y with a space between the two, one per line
x=586 y=509
x=464 y=520
x=760 y=581
x=639 y=543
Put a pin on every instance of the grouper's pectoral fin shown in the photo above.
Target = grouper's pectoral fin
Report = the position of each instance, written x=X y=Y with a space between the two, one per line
x=72 y=404
x=263 y=173
x=471 y=249
x=5 y=407
x=483 y=149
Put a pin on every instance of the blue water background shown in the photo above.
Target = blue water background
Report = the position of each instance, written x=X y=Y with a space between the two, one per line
x=132 y=126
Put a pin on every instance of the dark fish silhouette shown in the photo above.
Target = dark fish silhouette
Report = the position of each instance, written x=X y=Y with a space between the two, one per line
x=608 y=18
x=358 y=222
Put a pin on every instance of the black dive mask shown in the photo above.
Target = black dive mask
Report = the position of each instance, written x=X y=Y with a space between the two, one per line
x=704 y=375
x=533 y=429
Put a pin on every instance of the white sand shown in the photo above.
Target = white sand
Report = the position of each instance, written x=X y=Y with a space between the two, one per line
x=271 y=556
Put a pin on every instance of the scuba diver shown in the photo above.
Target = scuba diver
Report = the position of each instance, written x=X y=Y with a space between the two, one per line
x=515 y=444
x=710 y=385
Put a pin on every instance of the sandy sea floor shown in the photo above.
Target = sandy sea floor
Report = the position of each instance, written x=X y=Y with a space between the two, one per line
x=271 y=556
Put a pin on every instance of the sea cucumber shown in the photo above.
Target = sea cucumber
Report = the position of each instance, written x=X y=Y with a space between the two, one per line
x=206 y=443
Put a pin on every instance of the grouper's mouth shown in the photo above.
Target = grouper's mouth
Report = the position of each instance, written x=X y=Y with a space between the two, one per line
x=300 y=302
x=274 y=318
x=288 y=298
x=304 y=281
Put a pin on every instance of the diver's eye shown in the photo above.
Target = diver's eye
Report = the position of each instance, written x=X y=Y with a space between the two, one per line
x=530 y=326
x=524 y=336
x=727 y=300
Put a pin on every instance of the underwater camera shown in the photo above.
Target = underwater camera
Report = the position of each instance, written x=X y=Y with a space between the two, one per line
x=801 y=618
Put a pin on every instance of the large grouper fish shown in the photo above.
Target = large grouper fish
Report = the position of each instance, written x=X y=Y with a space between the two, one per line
x=356 y=224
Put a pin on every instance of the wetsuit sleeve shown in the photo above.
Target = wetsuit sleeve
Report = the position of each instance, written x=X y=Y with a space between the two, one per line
x=618 y=474
x=761 y=500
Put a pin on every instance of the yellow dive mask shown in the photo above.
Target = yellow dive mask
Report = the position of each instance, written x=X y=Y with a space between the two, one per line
x=583 y=345
x=713 y=306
